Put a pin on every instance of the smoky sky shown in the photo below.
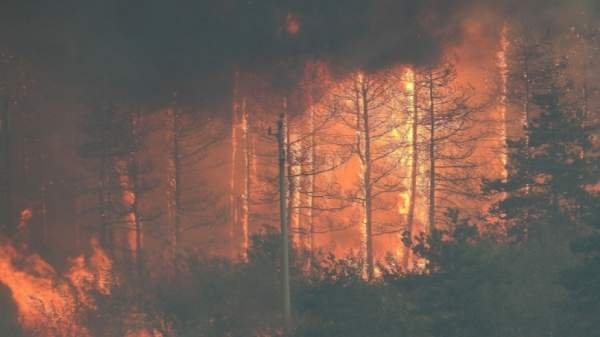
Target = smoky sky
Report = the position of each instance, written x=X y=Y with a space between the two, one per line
x=150 y=48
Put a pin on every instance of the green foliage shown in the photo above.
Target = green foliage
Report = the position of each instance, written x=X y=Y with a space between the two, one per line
x=547 y=174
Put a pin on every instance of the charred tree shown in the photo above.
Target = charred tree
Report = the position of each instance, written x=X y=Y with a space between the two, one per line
x=283 y=191
x=366 y=112
x=529 y=68
x=103 y=127
x=189 y=202
x=452 y=135
x=414 y=167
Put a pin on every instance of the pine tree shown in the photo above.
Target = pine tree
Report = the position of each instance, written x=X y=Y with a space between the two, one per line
x=548 y=173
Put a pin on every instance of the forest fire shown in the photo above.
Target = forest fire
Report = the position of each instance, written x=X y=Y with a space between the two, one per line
x=248 y=168
x=49 y=302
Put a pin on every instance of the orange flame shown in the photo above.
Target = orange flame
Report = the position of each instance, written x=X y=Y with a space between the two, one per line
x=292 y=24
x=25 y=215
x=45 y=300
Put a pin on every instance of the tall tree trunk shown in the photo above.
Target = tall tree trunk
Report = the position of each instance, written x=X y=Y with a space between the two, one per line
x=135 y=185
x=525 y=115
x=233 y=197
x=175 y=185
x=432 y=159
x=137 y=218
x=368 y=189
x=293 y=184
x=105 y=235
x=311 y=186
x=245 y=207
x=585 y=89
x=287 y=307
x=413 y=172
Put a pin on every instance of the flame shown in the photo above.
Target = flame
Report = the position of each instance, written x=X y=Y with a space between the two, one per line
x=245 y=197
x=503 y=67
x=24 y=217
x=292 y=24
x=408 y=79
x=46 y=301
x=128 y=199
x=145 y=333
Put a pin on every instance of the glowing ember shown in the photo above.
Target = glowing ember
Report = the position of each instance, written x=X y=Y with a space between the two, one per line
x=292 y=24
x=24 y=218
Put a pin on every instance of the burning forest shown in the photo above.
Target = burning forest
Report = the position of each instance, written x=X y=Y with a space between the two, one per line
x=299 y=168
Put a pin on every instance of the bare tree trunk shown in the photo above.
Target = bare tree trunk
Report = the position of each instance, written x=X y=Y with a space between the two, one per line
x=413 y=172
x=137 y=219
x=503 y=68
x=368 y=189
x=287 y=308
x=174 y=186
x=245 y=207
x=586 y=93
x=293 y=185
x=312 y=186
x=233 y=202
x=432 y=173
x=525 y=116
x=177 y=182
x=134 y=176
x=585 y=89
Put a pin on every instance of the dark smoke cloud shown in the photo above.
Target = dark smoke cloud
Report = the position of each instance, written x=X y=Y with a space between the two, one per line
x=150 y=48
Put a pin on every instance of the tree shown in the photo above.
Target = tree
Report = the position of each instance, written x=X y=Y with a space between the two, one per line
x=104 y=128
x=364 y=109
x=189 y=201
x=133 y=174
x=414 y=89
x=529 y=71
x=545 y=198
x=114 y=149
x=313 y=153
x=318 y=155
x=451 y=135
x=548 y=173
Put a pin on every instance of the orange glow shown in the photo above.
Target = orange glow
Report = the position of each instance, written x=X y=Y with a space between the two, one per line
x=245 y=206
x=44 y=298
x=128 y=199
x=145 y=333
x=292 y=24
x=503 y=67
x=24 y=217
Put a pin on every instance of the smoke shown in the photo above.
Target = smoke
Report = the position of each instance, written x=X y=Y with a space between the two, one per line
x=146 y=49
